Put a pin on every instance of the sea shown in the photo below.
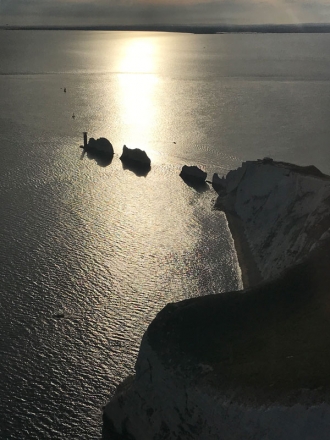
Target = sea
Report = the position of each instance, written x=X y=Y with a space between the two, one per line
x=92 y=250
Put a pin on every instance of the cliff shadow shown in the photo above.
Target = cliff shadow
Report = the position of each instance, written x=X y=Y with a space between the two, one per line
x=139 y=169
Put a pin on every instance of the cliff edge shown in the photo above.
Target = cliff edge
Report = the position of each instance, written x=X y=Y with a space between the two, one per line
x=251 y=364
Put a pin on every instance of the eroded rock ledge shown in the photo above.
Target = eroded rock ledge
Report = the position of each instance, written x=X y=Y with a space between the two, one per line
x=251 y=364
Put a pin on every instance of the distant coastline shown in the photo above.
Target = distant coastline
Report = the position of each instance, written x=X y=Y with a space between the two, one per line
x=219 y=29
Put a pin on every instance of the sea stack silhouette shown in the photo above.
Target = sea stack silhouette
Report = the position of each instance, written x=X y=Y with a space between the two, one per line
x=101 y=146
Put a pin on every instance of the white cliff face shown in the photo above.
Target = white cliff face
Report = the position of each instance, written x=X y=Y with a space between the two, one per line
x=284 y=213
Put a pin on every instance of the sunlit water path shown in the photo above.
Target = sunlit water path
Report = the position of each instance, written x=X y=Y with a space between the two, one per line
x=107 y=248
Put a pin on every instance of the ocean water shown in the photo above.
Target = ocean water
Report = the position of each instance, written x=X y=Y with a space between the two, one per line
x=102 y=245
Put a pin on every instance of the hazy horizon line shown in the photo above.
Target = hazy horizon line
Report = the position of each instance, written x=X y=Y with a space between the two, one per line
x=263 y=28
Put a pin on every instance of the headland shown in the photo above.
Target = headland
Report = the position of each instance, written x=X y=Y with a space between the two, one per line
x=253 y=363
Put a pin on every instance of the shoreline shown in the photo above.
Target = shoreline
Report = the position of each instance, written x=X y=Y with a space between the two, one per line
x=251 y=275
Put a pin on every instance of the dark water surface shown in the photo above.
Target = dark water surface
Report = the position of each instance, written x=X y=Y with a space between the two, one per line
x=107 y=248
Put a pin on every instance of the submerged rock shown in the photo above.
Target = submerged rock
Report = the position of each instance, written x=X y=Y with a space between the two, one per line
x=59 y=315
x=136 y=156
x=193 y=174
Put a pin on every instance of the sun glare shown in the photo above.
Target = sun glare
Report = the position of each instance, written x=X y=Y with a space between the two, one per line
x=138 y=56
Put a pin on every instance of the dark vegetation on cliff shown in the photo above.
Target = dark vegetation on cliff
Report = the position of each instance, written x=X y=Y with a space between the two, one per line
x=308 y=170
x=271 y=340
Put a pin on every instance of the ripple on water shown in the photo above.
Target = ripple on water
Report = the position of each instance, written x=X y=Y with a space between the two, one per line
x=89 y=263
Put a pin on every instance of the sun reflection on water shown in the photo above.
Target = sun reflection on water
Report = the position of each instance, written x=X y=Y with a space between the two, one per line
x=137 y=85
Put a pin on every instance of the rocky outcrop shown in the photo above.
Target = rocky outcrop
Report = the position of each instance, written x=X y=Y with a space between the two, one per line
x=251 y=364
x=100 y=146
x=136 y=156
x=193 y=174
x=218 y=183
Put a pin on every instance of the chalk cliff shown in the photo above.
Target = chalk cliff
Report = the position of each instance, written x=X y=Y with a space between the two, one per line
x=285 y=210
x=251 y=364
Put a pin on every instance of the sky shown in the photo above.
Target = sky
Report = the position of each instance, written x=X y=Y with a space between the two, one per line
x=185 y=12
